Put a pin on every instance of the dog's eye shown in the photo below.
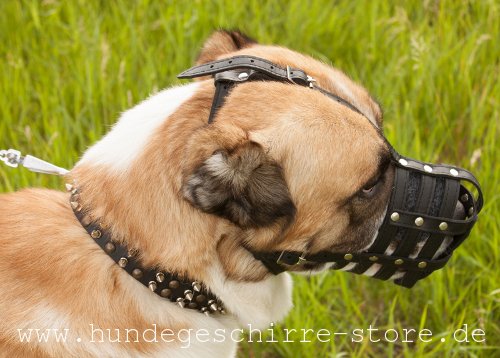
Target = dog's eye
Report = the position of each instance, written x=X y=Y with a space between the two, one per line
x=369 y=189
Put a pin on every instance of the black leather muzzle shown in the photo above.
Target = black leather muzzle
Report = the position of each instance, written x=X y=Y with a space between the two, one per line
x=429 y=214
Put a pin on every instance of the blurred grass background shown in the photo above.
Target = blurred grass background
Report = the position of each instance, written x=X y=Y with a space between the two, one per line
x=68 y=68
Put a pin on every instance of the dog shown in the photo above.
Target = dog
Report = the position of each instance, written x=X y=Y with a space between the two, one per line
x=282 y=167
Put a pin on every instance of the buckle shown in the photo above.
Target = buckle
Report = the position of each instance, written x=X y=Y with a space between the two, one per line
x=301 y=259
x=288 y=74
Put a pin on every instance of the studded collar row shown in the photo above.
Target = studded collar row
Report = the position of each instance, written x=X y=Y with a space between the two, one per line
x=185 y=293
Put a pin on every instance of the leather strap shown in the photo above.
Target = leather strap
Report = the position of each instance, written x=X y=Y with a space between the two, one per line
x=248 y=62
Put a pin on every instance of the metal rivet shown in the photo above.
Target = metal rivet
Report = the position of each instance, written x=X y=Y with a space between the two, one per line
x=422 y=264
x=152 y=285
x=399 y=262
x=200 y=298
x=348 y=257
x=196 y=286
x=419 y=221
x=122 y=262
x=188 y=295
x=95 y=234
x=180 y=302
x=464 y=198
x=222 y=311
x=443 y=226
x=165 y=293
x=173 y=284
x=204 y=310
x=471 y=210
x=109 y=247
x=160 y=277
x=69 y=187
x=453 y=172
x=243 y=76
x=395 y=216
x=137 y=273
x=403 y=162
x=428 y=168
x=373 y=258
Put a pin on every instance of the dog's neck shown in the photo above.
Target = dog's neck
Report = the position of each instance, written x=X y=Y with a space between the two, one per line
x=131 y=181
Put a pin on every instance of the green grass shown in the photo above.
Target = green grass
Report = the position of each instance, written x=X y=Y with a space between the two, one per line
x=68 y=68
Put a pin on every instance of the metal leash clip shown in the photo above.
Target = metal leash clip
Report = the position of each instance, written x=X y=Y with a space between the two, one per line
x=13 y=158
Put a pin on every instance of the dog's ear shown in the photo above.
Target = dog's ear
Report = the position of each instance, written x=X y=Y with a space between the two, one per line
x=244 y=186
x=223 y=42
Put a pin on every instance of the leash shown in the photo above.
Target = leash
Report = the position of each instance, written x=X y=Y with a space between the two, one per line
x=13 y=158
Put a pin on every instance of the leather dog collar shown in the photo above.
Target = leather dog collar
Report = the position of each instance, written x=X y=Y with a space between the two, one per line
x=186 y=293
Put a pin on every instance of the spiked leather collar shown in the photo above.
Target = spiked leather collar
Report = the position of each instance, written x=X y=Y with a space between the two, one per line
x=181 y=290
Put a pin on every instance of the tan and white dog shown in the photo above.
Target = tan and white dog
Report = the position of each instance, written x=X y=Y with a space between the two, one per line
x=293 y=170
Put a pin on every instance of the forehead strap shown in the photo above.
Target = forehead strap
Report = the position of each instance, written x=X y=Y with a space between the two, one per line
x=231 y=71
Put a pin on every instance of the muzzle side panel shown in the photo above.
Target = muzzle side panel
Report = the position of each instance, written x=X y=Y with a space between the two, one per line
x=443 y=205
x=418 y=199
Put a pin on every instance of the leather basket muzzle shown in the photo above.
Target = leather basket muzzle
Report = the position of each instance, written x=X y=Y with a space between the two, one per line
x=430 y=213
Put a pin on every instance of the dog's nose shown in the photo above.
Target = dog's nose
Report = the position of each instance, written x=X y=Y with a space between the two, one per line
x=459 y=212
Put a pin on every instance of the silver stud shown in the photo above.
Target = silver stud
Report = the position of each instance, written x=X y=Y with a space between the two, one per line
x=428 y=168
x=69 y=187
x=76 y=206
x=373 y=258
x=399 y=262
x=122 y=262
x=403 y=162
x=395 y=216
x=196 y=286
x=443 y=226
x=109 y=247
x=243 y=76
x=180 y=302
x=453 y=172
x=348 y=257
x=422 y=264
x=96 y=234
x=205 y=311
x=152 y=285
x=212 y=305
x=464 y=198
x=137 y=273
x=419 y=221
x=160 y=277
x=222 y=311
x=471 y=210
x=75 y=197
x=188 y=295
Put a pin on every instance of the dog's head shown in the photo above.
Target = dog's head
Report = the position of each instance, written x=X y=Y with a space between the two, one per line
x=288 y=167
